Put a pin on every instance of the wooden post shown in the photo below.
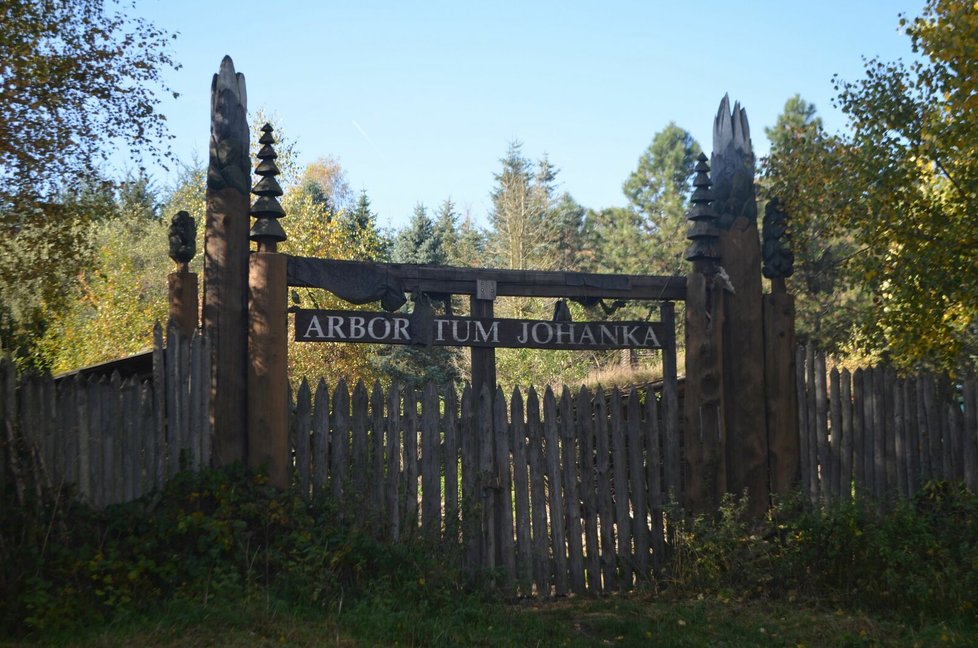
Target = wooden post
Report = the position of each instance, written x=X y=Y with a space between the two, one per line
x=483 y=358
x=705 y=432
x=226 y=268
x=268 y=367
x=704 y=421
x=743 y=338
x=183 y=283
x=781 y=397
x=183 y=301
x=268 y=373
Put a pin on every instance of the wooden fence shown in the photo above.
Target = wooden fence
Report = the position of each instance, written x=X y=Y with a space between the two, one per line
x=561 y=495
x=870 y=432
x=116 y=439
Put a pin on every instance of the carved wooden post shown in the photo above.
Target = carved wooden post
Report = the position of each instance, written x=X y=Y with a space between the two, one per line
x=268 y=424
x=182 y=284
x=226 y=262
x=705 y=425
x=483 y=358
x=781 y=400
x=743 y=337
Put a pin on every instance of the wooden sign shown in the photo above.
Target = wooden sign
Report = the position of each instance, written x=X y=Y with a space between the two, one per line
x=385 y=328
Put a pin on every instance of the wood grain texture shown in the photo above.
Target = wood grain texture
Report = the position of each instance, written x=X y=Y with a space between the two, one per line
x=225 y=291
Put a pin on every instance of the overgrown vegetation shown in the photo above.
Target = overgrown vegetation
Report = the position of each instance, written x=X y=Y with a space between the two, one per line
x=223 y=549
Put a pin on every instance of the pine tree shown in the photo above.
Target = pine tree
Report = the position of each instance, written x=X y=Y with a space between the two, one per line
x=658 y=191
x=421 y=241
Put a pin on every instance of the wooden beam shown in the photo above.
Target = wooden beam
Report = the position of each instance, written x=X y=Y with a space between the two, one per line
x=225 y=309
x=311 y=273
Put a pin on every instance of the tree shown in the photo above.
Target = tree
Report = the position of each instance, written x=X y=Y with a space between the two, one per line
x=620 y=241
x=79 y=77
x=422 y=241
x=905 y=181
x=523 y=234
x=325 y=181
x=470 y=249
x=658 y=191
x=833 y=307
x=79 y=80
x=359 y=228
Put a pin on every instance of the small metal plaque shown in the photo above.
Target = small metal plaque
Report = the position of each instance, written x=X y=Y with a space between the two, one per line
x=485 y=289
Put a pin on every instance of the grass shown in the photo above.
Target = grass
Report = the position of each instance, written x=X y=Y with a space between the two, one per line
x=637 y=619
x=221 y=559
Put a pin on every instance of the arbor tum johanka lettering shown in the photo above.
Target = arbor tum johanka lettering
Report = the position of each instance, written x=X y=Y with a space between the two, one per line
x=382 y=328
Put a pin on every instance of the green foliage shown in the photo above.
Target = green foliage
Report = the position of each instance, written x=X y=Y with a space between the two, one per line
x=208 y=538
x=526 y=217
x=903 y=183
x=79 y=80
x=117 y=301
x=359 y=227
x=658 y=192
x=223 y=549
x=423 y=241
x=917 y=559
x=314 y=232
x=834 y=309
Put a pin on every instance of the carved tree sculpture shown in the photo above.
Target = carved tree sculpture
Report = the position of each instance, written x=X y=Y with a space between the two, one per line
x=183 y=239
x=267 y=231
x=779 y=261
x=703 y=249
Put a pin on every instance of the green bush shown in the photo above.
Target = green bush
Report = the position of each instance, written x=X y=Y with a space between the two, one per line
x=916 y=558
x=214 y=536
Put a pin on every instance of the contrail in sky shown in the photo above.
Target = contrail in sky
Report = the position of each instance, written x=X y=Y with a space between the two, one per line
x=369 y=141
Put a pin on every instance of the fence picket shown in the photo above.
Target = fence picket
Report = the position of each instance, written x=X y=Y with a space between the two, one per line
x=430 y=464
x=360 y=447
x=393 y=434
x=933 y=428
x=821 y=427
x=319 y=438
x=589 y=495
x=471 y=504
x=542 y=567
x=377 y=427
x=913 y=434
x=504 y=487
x=569 y=435
x=637 y=477
x=899 y=438
x=555 y=492
x=303 y=428
x=801 y=388
x=605 y=509
x=653 y=478
x=970 y=434
x=619 y=472
x=409 y=521
x=487 y=480
x=835 y=434
x=450 y=426
x=521 y=492
x=845 y=475
x=339 y=439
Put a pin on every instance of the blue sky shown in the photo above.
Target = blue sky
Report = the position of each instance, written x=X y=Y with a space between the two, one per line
x=419 y=100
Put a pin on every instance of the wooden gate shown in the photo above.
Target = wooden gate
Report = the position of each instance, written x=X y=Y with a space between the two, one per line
x=561 y=494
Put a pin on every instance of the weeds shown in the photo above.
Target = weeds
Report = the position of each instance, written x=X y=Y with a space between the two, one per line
x=223 y=540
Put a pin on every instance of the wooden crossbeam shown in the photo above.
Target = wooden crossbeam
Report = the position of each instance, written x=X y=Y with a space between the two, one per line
x=310 y=272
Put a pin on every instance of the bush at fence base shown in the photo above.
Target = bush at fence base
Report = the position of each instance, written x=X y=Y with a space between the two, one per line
x=918 y=559
x=218 y=535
